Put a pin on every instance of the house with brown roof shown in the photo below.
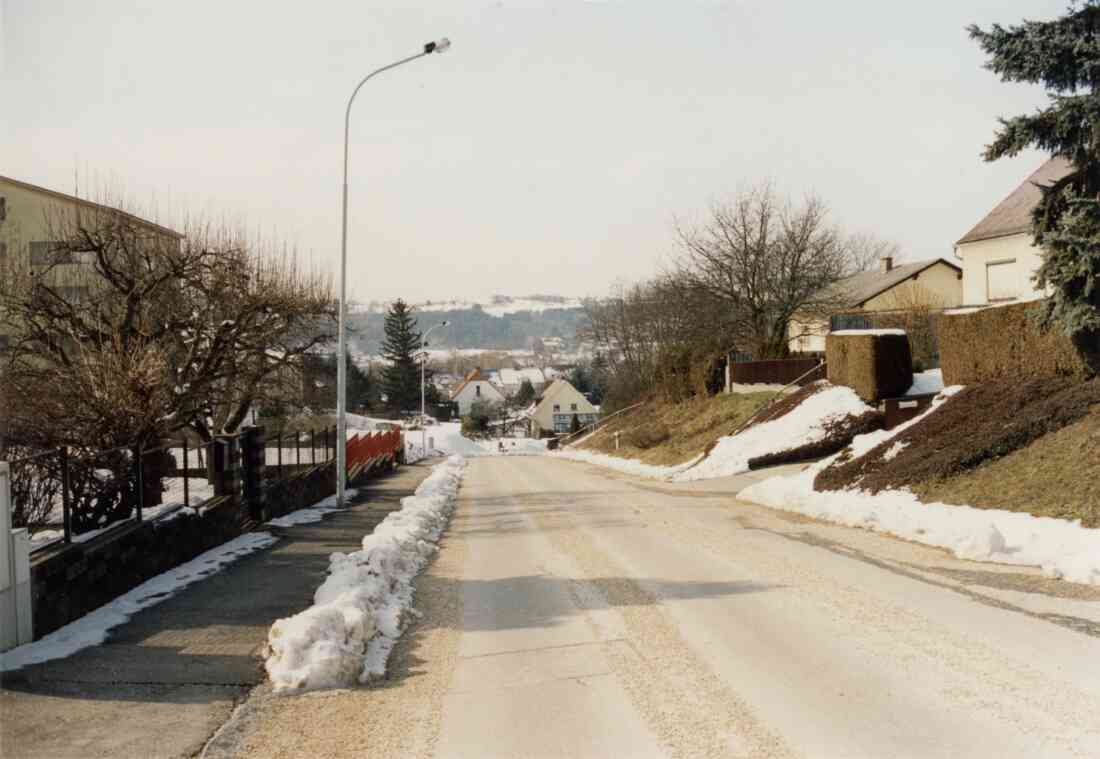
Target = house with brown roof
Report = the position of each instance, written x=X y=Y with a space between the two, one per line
x=475 y=388
x=998 y=254
x=934 y=284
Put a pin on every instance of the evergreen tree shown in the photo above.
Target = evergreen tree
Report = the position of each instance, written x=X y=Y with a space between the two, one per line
x=401 y=378
x=1063 y=55
x=525 y=394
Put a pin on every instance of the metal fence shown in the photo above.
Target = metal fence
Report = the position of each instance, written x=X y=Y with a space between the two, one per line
x=68 y=494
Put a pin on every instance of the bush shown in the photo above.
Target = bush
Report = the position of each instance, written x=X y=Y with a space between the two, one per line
x=874 y=364
x=647 y=436
x=1004 y=343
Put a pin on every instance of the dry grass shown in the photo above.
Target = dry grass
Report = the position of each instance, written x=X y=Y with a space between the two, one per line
x=1058 y=475
x=693 y=426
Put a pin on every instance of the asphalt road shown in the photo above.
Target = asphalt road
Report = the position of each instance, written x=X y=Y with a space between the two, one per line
x=574 y=612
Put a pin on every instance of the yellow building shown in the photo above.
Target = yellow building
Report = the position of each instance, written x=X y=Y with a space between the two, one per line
x=32 y=218
x=933 y=284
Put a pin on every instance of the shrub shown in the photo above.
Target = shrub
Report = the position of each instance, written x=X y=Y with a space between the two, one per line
x=1003 y=343
x=647 y=435
x=875 y=364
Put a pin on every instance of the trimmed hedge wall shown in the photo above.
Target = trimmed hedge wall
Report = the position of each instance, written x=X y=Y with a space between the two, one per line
x=1004 y=343
x=875 y=365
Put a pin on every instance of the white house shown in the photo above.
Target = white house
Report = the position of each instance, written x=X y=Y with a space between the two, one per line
x=559 y=404
x=998 y=255
x=475 y=387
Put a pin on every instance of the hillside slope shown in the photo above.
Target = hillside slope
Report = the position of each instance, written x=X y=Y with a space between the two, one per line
x=666 y=434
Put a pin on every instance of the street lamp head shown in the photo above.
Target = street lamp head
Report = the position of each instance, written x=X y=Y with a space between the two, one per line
x=439 y=46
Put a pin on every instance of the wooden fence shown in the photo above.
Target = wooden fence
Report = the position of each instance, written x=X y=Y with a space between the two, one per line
x=782 y=372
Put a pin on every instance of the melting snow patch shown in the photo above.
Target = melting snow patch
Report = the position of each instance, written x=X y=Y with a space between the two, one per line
x=360 y=611
x=92 y=628
x=314 y=513
x=804 y=424
x=1061 y=548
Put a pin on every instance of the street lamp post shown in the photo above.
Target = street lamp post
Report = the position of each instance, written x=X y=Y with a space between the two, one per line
x=341 y=341
x=423 y=411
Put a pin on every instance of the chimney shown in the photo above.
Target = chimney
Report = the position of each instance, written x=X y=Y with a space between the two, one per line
x=887 y=263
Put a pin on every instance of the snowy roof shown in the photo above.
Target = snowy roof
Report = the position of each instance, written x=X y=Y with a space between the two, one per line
x=1013 y=214
x=535 y=376
x=860 y=288
x=510 y=377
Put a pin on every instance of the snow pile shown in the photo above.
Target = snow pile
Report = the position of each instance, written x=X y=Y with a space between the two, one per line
x=1062 y=548
x=872 y=332
x=806 y=423
x=926 y=382
x=629 y=466
x=359 y=611
x=92 y=628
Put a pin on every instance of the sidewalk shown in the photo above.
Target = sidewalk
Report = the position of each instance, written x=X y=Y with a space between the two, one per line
x=167 y=679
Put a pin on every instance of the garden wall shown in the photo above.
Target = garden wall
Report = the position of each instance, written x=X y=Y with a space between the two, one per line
x=1004 y=343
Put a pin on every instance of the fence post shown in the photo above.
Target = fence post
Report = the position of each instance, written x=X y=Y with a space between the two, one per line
x=279 y=452
x=66 y=495
x=224 y=450
x=17 y=625
x=186 y=476
x=253 y=460
x=139 y=466
x=298 y=448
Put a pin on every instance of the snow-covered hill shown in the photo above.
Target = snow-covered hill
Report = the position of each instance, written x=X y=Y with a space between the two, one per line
x=498 y=305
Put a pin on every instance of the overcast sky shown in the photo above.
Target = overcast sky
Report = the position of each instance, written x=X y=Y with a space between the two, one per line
x=547 y=152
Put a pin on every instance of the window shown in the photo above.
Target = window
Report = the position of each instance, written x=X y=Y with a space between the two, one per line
x=44 y=253
x=74 y=295
x=3 y=208
x=557 y=407
x=562 y=422
x=3 y=250
x=4 y=342
x=1001 y=281
x=477 y=390
x=572 y=407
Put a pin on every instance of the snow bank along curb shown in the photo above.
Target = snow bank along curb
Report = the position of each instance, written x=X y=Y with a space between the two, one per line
x=92 y=628
x=1062 y=548
x=361 y=609
x=629 y=466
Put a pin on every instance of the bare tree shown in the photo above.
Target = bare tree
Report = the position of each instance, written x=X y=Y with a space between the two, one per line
x=125 y=332
x=767 y=258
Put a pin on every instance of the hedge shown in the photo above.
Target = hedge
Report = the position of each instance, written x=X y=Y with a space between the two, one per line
x=874 y=363
x=1005 y=343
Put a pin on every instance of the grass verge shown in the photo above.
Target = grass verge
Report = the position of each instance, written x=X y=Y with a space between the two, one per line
x=665 y=434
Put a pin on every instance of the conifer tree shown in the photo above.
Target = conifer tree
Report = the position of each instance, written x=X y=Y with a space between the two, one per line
x=1063 y=55
x=401 y=378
